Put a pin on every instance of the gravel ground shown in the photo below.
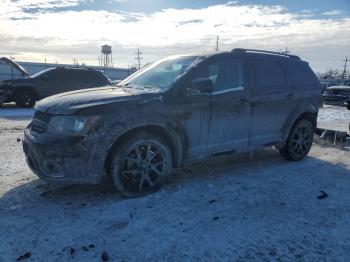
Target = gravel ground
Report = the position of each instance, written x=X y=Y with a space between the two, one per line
x=227 y=209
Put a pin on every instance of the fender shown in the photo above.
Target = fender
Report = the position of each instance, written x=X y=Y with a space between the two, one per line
x=121 y=130
x=295 y=115
x=19 y=86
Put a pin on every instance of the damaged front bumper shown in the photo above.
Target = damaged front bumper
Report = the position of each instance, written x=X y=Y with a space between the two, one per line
x=73 y=160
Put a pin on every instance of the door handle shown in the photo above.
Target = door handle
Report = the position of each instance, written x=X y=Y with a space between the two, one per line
x=292 y=96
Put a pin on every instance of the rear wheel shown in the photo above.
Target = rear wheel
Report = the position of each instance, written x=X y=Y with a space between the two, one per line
x=25 y=98
x=299 y=141
x=141 y=165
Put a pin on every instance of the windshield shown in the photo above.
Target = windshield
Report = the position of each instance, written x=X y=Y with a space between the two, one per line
x=160 y=74
x=41 y=73
x=344 y=83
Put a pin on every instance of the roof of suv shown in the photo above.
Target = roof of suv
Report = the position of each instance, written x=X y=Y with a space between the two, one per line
x=256 y=51
x=77 y=68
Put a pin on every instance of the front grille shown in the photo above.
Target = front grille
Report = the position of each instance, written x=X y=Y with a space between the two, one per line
x=343 y=92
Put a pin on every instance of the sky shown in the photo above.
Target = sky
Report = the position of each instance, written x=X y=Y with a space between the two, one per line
x=316 y=30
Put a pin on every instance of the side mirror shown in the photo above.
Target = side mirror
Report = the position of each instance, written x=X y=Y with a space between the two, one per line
x=203 y=85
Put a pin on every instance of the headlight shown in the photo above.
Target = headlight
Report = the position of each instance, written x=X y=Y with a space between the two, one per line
x=70 y=125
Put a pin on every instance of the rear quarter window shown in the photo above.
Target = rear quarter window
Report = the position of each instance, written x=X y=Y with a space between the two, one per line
x=299 y=74
x=268 y=75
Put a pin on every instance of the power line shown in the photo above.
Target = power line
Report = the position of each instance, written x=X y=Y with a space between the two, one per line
x=345 y=66
x=139 y=57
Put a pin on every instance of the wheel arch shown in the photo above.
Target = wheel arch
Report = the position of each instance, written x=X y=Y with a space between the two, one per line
x=171 y=137
x=26 y=87
x=308 y=112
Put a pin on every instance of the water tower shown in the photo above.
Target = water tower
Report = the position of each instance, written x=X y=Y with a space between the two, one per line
x=107 y=58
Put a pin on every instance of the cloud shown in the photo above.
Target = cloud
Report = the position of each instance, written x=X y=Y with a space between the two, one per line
x=66 y=34
x=333 y=12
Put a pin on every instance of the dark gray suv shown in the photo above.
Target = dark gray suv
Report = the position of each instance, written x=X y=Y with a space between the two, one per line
x=25 y=92
x=173 y=111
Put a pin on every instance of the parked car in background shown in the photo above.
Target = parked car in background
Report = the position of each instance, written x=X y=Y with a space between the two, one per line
x=328 y=83
x=338 y=95
x=25 y=92
x=173 y=111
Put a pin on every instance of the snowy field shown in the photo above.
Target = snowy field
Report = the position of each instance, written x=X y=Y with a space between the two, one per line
x=228 y=209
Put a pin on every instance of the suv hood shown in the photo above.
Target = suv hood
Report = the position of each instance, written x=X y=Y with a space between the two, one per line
x=12 y=63
x=70 y=102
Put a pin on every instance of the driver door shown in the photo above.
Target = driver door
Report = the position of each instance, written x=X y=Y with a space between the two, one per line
x=51 y=83
x=219 y=121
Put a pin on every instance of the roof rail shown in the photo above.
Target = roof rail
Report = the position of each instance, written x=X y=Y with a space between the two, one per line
x=264 y=52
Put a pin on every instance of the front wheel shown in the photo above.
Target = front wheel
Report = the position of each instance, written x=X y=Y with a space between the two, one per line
x=299 y=141
x=25 y=98
x=141 y=165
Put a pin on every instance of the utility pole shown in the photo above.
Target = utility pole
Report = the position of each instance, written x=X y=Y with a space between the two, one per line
x=217 y=44
x=138 y=57
x=286 y=51
x=345 y=67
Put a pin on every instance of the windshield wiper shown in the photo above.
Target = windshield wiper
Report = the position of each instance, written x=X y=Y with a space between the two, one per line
x=129 y=85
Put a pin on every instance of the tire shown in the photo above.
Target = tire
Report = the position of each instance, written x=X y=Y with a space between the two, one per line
x=141 y=165
x=25 y=98
x=299 y=141
x=348 y=106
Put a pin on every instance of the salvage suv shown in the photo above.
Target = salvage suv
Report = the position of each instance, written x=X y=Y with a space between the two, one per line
x=171 y=112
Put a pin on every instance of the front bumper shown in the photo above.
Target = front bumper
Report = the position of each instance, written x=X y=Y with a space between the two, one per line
x=338 y=100
x=72 y=160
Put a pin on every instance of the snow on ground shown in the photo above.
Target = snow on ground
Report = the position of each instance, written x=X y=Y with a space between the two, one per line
x=227 y=209
x=335 y=118
x=10 y=111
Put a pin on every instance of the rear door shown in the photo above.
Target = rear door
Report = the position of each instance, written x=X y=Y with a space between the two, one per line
x=76 y=79
x=273 y=101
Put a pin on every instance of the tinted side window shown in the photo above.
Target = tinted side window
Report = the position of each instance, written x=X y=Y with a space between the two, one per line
x=79 y=76
x=268 y=75
x=226 y=74
x=54 y=75
x=71 y=76
x=299 y=74
x=88 y=77
x=99 y=78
